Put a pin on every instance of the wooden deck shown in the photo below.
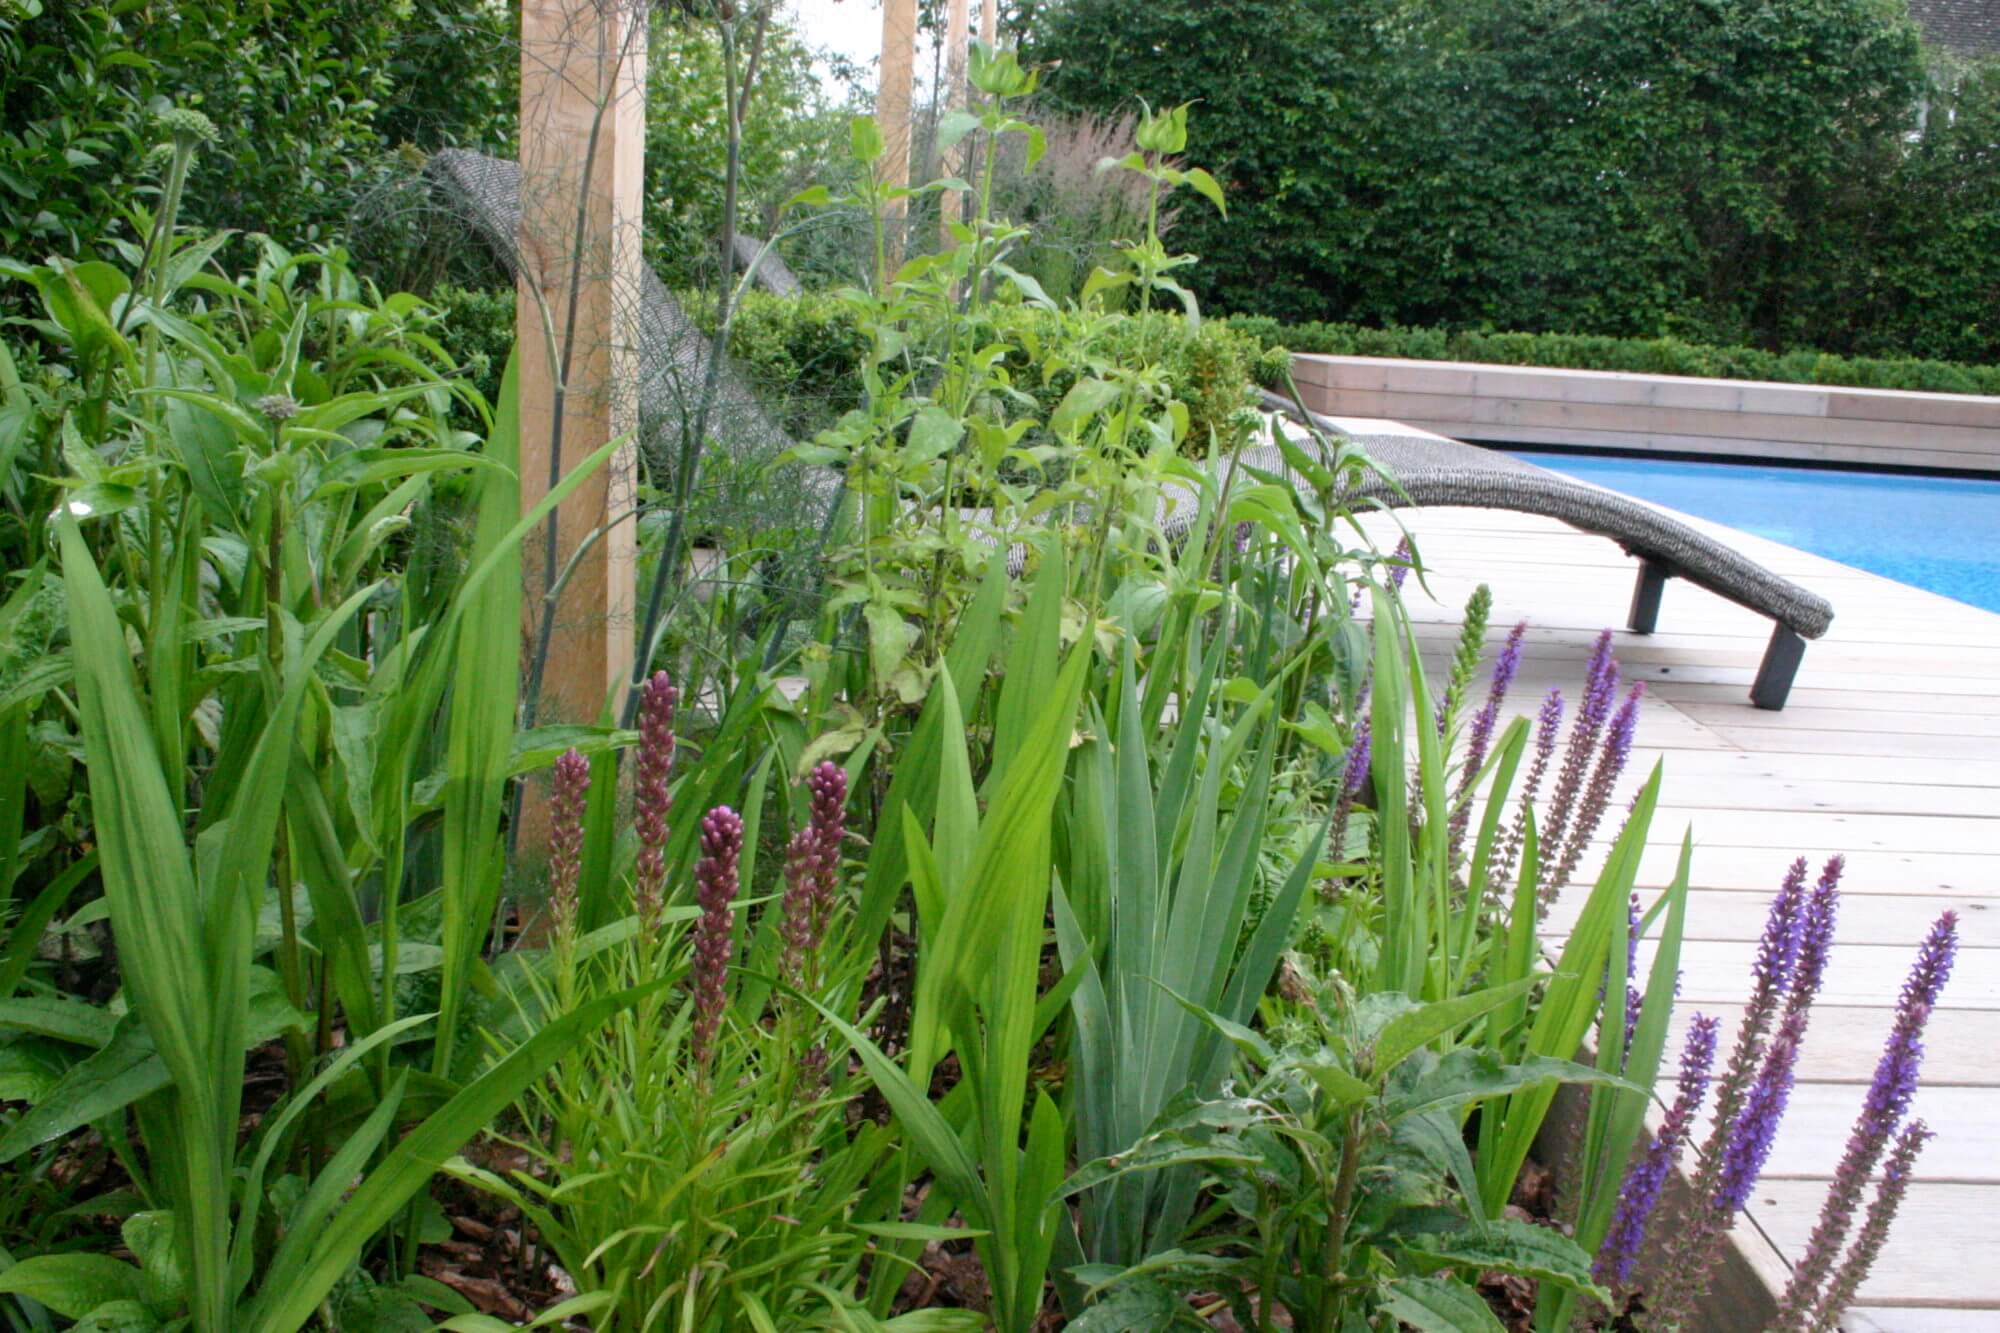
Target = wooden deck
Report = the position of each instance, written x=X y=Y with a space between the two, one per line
x=1889 y=752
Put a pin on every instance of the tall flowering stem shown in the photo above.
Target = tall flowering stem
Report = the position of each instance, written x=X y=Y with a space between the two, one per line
x=1465 y=661
x=1480 y=739
x=1693 y=1245
x=1400 y=564
x=1888 y=1101
x=812 y=875
x=1874 y=1231
x=1352 y=776
x=1647 y=1177
x=567 y=800
x=652 y=803
x=1600 y=688
x=1756 y=1129
x=1822 y=908
x=715 y=890
x=1548 y=728
x=1611 y=762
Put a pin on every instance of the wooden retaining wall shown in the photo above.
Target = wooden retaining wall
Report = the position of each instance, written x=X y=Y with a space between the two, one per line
x=1739 y=419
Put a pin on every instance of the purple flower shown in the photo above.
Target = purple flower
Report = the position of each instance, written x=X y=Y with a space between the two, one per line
x=1896 y=1176
x=1816 y=934
x=715 y=889
x=1481 y=737
x=571 y=791
x=828 y=785
x=1548 y=726
x=1692 y=1250
x=1888 y=1101
x=652 y=802
x=812 y=873
x=1645 y=1178
x=1597 y=798
x=1600 y=688
x=1400 y=568
x=1750 y=1138
x=1353 y=775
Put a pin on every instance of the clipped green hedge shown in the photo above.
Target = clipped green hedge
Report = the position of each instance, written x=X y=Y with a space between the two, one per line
x=1646 y=356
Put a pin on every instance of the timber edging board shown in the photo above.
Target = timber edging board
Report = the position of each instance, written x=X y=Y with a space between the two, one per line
x=1741 y=419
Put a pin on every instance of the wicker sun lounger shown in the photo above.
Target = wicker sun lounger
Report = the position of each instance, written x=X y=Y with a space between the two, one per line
x=1432 y=470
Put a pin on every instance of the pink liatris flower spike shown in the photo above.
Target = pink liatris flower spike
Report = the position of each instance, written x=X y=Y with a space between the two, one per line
x=566 y=807
x=812 y=874
x=652 y=803
x=715 y=889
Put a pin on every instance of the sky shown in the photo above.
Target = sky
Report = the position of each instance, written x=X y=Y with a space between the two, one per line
x=852 y=28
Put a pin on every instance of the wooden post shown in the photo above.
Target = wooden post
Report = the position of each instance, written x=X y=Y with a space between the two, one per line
x=989 y=21
x=583 y=135
x=892 y=106
x=951 y=205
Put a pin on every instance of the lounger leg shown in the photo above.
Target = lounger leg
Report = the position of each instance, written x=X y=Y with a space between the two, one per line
x=1646 y=597
x=1781 y=663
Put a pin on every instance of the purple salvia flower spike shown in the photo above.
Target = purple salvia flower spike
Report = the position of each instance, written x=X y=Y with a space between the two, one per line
x=1353 y=775
x=1692 y=1249
x=1647 y=1177
x=1868 y=1242
x=568 y=797
x=652 y=802
x=1597 y=797
x=1548 y=727
x=1483 y=725
x=1756 y=1128
x=1882 y=1111
x=1400 y=570
x=715 y=889
x=1821 y=909
x=1600 y=687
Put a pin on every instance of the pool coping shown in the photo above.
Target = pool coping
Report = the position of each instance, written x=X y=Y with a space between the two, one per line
x=1672 y=414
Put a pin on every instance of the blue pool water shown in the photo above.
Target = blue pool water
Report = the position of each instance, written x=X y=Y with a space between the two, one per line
x=1939 y=533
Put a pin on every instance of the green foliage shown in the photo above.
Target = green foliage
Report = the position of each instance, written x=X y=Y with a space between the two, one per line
x=1643 y=356
x=1695 y=169
x=1333 y=1170
x=726 y=1193
x=787 y=133
x=803 y=353
x=304 y=97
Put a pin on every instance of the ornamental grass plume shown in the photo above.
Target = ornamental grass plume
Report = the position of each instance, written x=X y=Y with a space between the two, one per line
x=1804 y=1304
x=1611 y=760
x=652 y=801
x=1548 y=727
x=570 y=794
x=1647 y=1177
x=1480 y=738
x=1600 y=688
x=715 y=890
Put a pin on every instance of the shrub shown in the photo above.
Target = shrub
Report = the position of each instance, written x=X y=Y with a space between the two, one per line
x=804 y=353
x=1644 y=356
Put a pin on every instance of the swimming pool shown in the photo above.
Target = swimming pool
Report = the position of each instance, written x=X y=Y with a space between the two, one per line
x=1939 y=533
